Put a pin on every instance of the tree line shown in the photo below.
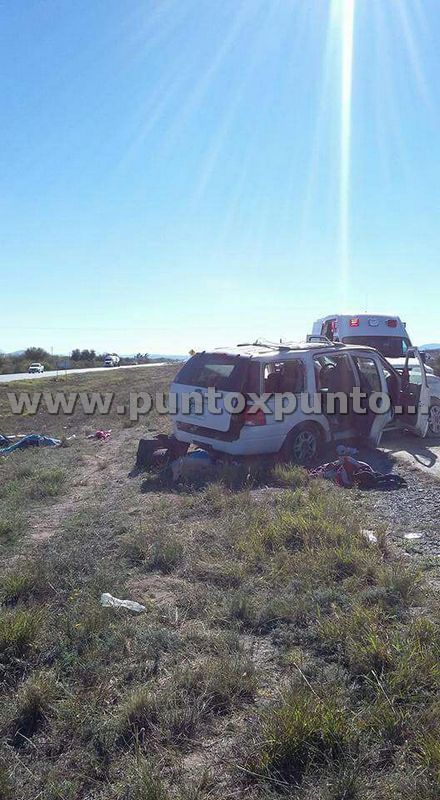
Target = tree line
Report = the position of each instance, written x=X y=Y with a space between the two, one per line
x=11 y=363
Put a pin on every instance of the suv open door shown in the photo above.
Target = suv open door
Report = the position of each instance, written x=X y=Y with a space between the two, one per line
x=414 y=395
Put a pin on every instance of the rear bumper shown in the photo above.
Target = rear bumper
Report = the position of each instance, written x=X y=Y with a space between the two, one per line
x=250 y=442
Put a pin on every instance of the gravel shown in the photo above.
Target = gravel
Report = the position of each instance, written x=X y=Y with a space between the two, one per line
x=411 y=515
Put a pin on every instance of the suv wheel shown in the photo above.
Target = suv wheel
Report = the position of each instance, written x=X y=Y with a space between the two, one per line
x=434 y=419
x=303 y=444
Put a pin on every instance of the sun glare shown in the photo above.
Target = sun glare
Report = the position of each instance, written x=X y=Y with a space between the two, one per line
x=345 y=12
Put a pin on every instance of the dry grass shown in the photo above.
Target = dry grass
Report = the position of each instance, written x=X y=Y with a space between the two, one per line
x=280 y=654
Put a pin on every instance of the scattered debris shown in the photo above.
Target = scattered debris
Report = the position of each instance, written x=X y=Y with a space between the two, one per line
x=108 y=601
x=192 y=465
x=369 y=535
x=348 y=472
x=149 y=448
x=32 y=440
x=343 y=450
x=99 y=435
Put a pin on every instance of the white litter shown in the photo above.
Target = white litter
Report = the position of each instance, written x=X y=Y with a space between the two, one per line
x=108 y=600
x=412 y=535
x=370 y=536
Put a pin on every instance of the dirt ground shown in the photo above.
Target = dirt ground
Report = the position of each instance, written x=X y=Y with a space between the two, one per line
x=273 y=628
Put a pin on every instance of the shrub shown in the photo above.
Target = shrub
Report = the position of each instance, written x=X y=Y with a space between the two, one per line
x=32 y=704
x=46 y=483
x=359 y=634
x=22 y=584
x=162 y=552
x=138 y=715
x=163 y=716
x=220 y=682
x=144 y=784
x=417 y=665
x=303 y=731
x=10 y=529
x=18 y=630
x=290 y=475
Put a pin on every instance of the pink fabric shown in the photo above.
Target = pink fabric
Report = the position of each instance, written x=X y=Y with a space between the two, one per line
x=102 y=435
x=343 y=471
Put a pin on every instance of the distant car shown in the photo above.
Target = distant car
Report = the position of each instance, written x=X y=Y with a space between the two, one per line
x=36 y=367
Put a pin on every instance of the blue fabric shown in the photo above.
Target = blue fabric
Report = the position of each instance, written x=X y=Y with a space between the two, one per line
x=33 y=440
x=199 y=455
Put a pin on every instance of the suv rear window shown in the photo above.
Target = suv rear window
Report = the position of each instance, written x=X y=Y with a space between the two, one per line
x=222 y=372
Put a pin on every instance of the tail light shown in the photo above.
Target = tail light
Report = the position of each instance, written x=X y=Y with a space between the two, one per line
x=392 y=323
x=253 y=418
x=354 y=323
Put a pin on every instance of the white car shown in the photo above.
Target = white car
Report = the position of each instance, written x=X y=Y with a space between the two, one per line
x=36 y=367
x=306 y=370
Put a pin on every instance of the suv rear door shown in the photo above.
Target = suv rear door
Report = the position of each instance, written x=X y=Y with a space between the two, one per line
x=228 y=375
x=372 y=382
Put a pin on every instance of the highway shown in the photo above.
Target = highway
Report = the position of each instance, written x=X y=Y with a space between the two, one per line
x=26 y=376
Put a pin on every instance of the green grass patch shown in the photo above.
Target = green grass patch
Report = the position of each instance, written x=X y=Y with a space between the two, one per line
x=18 y=632
x=301 y=732
x=161 y=551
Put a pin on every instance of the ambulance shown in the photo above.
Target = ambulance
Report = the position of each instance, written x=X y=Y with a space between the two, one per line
x=388 y=335
x=385 y=333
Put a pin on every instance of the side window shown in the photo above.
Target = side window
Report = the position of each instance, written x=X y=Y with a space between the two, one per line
x=369 y=374
x=333 y=373
x=285 y=376
x=253 y=378
x=293 y=377
x=415 y=376
x=328 y=329
x=271 y=378
x=391 y=379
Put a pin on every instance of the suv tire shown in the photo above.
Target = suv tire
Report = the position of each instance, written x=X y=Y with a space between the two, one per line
x=434 y=419
x=303 y=444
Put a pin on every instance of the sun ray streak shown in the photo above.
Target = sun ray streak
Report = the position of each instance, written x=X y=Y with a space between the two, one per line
x=347 y=8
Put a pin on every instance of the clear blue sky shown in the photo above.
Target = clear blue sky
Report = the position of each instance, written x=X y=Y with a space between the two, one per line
x=170 y=170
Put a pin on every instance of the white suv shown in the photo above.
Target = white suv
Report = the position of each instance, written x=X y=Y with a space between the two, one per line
x=306 y=370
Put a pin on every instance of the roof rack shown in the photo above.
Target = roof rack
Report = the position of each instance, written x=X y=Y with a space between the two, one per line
x=286 y=347
x=261 y=343
x=319 y=339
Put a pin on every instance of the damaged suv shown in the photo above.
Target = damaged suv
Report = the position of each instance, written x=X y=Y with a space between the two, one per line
x=253 y=384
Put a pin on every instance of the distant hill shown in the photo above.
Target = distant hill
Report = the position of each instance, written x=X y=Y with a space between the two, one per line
x=429 y=347
x=168 y=355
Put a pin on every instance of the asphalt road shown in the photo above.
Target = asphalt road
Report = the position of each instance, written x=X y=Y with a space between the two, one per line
x=25 y=376
x=422 y=454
